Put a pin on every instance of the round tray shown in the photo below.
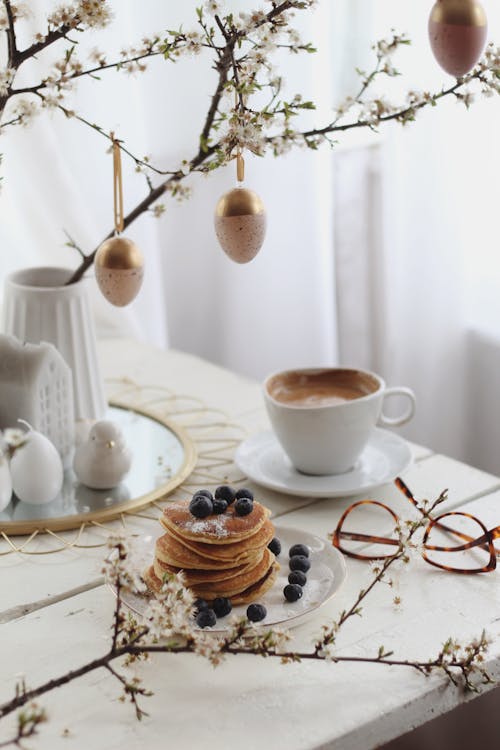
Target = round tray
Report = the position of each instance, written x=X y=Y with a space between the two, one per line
x=163 y=456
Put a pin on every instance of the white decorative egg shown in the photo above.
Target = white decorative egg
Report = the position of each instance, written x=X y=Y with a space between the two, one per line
x=36 y=470
x=5 y=482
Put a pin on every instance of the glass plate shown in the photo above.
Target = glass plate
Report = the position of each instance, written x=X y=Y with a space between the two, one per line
x=324 y=579
x=163 y=456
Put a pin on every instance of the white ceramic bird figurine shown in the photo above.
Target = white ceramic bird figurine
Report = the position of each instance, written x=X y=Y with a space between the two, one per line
x=103 y=460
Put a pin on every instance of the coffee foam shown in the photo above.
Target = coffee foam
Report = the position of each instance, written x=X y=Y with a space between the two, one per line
x=328 y=387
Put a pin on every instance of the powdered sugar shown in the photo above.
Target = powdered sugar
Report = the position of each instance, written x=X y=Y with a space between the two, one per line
x=214 y=525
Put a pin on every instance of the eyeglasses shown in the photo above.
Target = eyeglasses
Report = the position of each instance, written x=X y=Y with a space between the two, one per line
x=454 y=541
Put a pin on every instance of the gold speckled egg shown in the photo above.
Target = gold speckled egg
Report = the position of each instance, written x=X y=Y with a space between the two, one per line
x=457 y=33
x=119 y=270
x=240 y=224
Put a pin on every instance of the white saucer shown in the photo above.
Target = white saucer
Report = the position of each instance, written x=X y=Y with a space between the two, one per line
x=263 y=460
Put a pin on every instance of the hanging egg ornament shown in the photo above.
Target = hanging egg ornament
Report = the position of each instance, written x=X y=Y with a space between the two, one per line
x=119 y=270
x=457 y=33
x=119 y=264
x=240 y=221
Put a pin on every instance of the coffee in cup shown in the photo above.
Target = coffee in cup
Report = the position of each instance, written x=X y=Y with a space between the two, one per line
x=324 y=417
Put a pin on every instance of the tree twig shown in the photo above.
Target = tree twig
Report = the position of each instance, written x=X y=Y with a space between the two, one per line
x=87 y=72
x=11 y=35
x=34 y=49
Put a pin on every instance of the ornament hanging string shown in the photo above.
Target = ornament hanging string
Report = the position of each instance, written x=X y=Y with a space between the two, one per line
x=117 y=185
x=240 y=162
x=240 y=166
x=119 y=264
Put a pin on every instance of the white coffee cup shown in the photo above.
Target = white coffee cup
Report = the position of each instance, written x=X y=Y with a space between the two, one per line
x=324 y=417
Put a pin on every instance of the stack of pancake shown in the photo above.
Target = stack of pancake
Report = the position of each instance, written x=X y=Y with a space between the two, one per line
x=221 y=555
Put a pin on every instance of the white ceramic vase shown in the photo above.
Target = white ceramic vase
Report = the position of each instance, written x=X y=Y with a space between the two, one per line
x=39 y=307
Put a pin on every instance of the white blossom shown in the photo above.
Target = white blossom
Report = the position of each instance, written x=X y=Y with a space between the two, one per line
x=6 y=78
x=212 y=7
x=25 y=110
x=118 y=569
x=94 y=13
x=18 y=10
x=193 y=42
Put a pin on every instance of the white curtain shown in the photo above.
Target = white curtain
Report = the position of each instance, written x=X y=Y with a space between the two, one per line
x=277 y=311
x=425 y=264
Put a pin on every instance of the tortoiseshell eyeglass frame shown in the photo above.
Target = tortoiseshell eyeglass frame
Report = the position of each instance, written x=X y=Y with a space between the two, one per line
x=484 y=540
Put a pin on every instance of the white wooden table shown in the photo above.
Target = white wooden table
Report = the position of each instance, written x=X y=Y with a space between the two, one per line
x=249 y=702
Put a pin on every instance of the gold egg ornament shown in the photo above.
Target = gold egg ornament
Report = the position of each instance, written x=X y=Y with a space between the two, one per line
x=457 y=34
x=119 y=264
x=119 y=270
x=240 y=221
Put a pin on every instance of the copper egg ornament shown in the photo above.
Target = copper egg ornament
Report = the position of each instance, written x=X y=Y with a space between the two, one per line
x=457 y=33
x=119 y=270
x=240 y=224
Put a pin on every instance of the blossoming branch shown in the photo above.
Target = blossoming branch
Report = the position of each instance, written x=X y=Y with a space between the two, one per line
x=241 y=47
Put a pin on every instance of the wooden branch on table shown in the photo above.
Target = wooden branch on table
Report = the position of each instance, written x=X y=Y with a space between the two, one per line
x=445 y=662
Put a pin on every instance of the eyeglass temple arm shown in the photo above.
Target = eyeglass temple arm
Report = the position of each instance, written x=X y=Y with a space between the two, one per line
x=367 y=538
x=480 y=541
x=409 y=494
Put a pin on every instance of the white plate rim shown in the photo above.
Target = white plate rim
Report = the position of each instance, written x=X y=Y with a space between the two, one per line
x=311 y=491
x=305 y=537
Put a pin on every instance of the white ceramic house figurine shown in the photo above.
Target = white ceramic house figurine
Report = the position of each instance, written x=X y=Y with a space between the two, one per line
x=103 y=460
x=36 y=385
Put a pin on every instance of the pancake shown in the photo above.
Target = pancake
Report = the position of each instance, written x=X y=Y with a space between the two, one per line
x=193 y=577
x=245 y=597
x=230 y=552
x=173 y=552
x=259 y=588
x=233 y=586
x=225 y=528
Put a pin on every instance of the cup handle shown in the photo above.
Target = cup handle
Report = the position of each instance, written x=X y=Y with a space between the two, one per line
x=407 y=415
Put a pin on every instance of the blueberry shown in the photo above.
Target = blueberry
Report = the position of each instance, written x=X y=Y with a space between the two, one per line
x=299 y=549
x=275 y=546
x=199 y=605
x=244 y=492
x=219 y=505
x=256 y=612
x=205 y=493
x=201 y=506
x=222 y=606
x=297 y=576
x=293 y=592
x=224 y=492
x=243 y=506
x=206 y=618
x=299 y=562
